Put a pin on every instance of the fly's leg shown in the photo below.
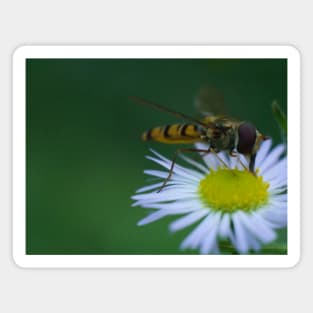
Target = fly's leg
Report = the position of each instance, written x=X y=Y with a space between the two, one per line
x=222 y=161
x=234 y=154
x=252 y=163
x=174 y=161
x=188 y=150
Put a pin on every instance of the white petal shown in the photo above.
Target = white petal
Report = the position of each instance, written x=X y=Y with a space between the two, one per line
x=172 y=210
x=240 y=240
x=202 y=146
x=241 y=160
x=187 y=220
x=276 y=173
x=277 y=183
x=193 y=240
x=210 y=239
x=278 y=218
x=152 y=217
x=275 y=224
x=279 y=190
x=215 y=160
x=183 y=181
x=277 y=170
x=192 y=205
x=174 y=178
x=187 y=173
x=237 y=161
x=253 y=243
x=156 y=173
x=180 y=188
x=196 y=164
x=225 y=157
x=210 y=159
x=167 y=164
x=272 y=157
x=174 y=190
x=279 y=198
x=149 y=187
x=215 y=249
x=165 y=195
x=233 y=162
x=225 y=226
x=262 y=153
x=160 y=156
x=257 y=226
x=276 y=207
x=265 y=233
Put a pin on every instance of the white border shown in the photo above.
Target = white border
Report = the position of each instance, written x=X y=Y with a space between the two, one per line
x=158 y=261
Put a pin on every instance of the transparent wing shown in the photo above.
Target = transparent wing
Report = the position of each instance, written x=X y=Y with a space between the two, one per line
x=210 y=101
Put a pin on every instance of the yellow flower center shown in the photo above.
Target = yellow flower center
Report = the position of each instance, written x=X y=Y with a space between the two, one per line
x=231 y=190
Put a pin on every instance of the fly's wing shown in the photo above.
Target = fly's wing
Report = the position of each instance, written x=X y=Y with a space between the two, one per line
x=209 y=101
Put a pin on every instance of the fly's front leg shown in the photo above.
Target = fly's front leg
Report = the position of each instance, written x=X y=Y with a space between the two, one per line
x=236 y=155
x=222 y=161
x=174 y=161
x=252 y=163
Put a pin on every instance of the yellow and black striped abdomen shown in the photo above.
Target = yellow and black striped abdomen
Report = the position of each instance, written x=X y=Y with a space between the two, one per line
x=176 y=133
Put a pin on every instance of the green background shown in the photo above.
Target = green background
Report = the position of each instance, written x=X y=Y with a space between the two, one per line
x=85 y=158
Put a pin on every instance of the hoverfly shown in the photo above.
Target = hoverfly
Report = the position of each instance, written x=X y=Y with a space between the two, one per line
x=220 y=132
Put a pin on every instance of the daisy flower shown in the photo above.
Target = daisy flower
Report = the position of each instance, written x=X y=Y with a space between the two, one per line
x=225 y=203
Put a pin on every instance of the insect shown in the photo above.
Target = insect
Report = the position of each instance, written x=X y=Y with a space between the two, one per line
x=220 y=132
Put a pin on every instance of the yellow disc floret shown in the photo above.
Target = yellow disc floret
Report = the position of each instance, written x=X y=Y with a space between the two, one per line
x=229 y=190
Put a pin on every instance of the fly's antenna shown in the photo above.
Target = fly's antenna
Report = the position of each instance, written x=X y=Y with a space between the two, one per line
x=164 y=109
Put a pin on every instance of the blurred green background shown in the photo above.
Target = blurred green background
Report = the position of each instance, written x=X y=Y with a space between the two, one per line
x=85 y=158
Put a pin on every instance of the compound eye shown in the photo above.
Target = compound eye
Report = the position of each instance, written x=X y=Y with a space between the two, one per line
x=247 y=137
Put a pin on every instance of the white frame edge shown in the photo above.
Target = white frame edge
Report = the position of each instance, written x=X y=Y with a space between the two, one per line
x=154 y=261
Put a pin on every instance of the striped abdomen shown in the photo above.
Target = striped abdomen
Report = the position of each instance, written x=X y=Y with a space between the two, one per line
x=176 y=133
